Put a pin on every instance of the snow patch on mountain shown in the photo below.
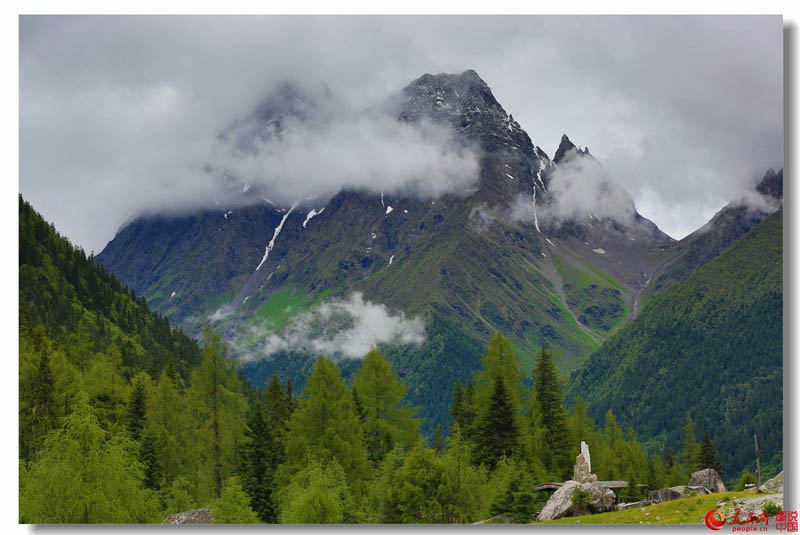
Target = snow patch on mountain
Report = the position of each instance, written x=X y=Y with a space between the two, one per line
x=311 y=214
x=274 y=237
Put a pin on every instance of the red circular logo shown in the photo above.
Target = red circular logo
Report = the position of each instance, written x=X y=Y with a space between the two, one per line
x=712 y=522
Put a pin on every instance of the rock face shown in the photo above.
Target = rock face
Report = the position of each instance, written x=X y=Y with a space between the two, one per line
x=192 y=516
x=773 y=485
x=708 y=478
x=673 y=493
x=601 y=499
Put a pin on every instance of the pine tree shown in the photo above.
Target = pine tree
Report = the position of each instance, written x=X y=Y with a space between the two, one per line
x=172 y=430
x=499 y=435
x=259 y=459
x=153 y=475
x=317 y=494
x=219 y=410
x=707 y=456
x=499 y=361
x=325 y=426
x=690 y=447
x=84 y=476
x=362 y=413
x=457 y=407
x=388 y=421
x=462 y=493
x=137 y=407
x=469 y=411
x=549 y=403
x=233 y=505
x=437 y=440
x=43 y=406
x=277 y=405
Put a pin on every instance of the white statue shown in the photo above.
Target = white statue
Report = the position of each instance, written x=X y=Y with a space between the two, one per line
x=585 y=453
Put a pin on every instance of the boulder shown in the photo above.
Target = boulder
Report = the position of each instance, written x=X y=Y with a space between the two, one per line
x=601 y=498
x=633 y=505
x=708 y=478
x=560 y=504
x=773 y=485
x=192 y=516
x=673 y=493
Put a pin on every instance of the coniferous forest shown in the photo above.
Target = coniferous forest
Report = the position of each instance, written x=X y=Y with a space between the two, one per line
x=124 y=419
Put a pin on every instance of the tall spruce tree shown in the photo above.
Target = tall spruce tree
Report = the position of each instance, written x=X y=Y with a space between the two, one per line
x=438 y=442
x=457 y=407
x=549 y=404
x=707 y=455
x=277 y=405
x=43 y=405
x=258 y=461
x=498 y=435
x=137 y=407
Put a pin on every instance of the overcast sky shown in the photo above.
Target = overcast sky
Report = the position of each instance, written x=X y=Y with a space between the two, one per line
x=117 y=113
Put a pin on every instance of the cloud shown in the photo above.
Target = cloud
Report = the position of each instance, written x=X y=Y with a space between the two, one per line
x=345 y=328
x=359 y=149
x=117 y=113
x=580 y=186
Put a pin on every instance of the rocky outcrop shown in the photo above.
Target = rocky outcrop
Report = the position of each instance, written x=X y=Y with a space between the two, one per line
x=600 y=500
x=748 y=506
x=708 y=478
x=673 y=493
x=773 y=485
x=192 y=516
x=633 y=505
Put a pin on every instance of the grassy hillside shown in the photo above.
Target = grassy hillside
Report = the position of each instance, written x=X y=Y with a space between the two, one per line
x=710 y=347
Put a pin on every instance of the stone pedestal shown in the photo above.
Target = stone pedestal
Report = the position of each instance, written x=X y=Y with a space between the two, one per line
x=581 y=472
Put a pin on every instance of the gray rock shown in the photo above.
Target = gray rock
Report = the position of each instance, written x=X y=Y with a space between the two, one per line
x=601 y=498
x=560 y=505
x=748 y=506
x=708 y=478
x=192 y=516
x=633 y=505
x=773 y=485
x=673 y=493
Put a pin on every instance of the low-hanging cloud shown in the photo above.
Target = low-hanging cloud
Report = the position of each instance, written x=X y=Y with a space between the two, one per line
x=580 y=186
x=357 y=149
x=345 y=328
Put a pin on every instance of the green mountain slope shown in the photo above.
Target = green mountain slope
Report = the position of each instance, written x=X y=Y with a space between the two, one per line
x=711 y=239
x=711 y=347
x=83 y=308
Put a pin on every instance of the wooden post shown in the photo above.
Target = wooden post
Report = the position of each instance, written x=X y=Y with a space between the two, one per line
x=758 y=465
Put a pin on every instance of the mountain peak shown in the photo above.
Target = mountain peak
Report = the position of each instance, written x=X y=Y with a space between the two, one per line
x=771 y=184
x=565 y=147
